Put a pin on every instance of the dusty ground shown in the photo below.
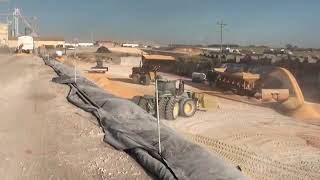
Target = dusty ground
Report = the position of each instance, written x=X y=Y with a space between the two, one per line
x=42 y=136
x=266 y=144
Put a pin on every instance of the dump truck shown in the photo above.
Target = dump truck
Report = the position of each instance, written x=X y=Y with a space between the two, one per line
x=172 y=101
x=255 y=81
x=231 y=77
x=242 y=83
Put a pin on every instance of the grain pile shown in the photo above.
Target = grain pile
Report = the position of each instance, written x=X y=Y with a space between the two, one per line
x=118 y=88
x=295 y=106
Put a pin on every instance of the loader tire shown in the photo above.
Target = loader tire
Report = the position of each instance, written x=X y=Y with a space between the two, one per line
x=136 y=78
x=187 y=107
x=172 y=109
x=143 y=103
x=159 y=77
x=136 y=99
x=162 y=107
x=146 y=80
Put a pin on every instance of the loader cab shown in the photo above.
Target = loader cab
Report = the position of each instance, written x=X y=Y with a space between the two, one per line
x=144 y=74
x=169 y=87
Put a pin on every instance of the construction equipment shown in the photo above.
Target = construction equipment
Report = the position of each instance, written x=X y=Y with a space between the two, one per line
x=144 y=74
x=99 y=68
x=279 y=95
x=25 y=44
x=270 y=85
x=59 y=56
x=239 y=82
x=172 y=101
x=198 y=77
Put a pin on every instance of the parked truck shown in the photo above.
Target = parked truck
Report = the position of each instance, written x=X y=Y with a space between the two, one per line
x=25 y=44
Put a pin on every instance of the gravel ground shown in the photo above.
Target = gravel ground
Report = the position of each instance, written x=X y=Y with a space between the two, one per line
x=42 y=136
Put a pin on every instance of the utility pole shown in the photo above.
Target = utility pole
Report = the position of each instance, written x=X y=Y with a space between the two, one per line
x=92 y=40
x=158 y=116
x=222 y=25
x=76 y=42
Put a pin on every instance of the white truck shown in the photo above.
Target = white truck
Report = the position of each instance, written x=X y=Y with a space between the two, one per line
x=25 y=44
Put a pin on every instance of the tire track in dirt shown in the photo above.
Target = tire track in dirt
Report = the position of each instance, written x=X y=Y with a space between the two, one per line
x=254 y=165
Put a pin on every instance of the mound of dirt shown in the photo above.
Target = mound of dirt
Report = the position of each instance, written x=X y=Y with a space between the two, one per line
x=290 y=105
x=295 y=105
x=103 y=49
x=99 y=79
x=307 y=113
x=281 y=78
x=126 y=50
x=117 y=88
x=60 y=59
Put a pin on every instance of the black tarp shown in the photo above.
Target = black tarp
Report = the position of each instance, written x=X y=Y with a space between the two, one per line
x=129 y=128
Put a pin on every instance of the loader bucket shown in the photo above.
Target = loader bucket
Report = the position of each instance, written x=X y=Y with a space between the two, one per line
x=201 y=100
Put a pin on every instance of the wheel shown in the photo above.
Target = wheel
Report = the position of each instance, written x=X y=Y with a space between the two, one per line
x=159 y=77
x=172 y=109
x=146 y=80
x=147 y=105
x=136 y=99
x=162 y=107
x=136 y=78
x=211 y=83
x=187 y=107
x=143 y=103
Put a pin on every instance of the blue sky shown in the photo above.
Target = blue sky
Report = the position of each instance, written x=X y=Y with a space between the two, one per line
x=271 y=22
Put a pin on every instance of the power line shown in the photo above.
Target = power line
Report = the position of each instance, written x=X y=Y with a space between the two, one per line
x=222 y=25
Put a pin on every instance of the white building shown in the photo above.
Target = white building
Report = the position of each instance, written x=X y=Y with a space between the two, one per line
x=130 y=45
x=212 y=49
x=86 y=44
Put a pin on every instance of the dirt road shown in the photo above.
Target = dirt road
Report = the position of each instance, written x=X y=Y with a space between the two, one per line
x=42 y=136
